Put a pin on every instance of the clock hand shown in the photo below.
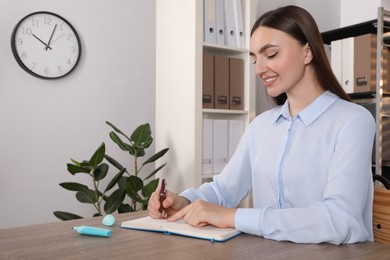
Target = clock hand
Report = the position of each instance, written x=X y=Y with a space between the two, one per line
x=47 y=46
x=51 y=36
x=57 y=38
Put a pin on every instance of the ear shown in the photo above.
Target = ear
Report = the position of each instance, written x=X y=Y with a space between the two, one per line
x=308 y=54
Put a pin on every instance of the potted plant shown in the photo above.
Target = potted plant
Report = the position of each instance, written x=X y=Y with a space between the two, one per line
x=126 y=183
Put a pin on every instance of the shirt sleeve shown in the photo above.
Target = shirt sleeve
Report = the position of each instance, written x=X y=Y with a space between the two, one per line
x=232 y=185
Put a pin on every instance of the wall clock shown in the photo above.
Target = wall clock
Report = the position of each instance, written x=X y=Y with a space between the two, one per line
x=46 y=45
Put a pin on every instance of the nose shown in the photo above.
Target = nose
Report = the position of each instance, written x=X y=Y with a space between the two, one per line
x=261 y=67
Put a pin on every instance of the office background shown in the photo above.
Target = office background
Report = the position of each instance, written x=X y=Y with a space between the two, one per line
x=44 y=123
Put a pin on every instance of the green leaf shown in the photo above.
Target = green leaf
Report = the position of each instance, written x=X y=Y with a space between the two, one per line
x=98 y=156
x=73 y=169
x=156 y=156
x=114 y=201
x=75 y=162
x=115 y=180
x=86 y=196
x=66 y=215
x=117 y=130
x=142 y=136
x=114 y=162
x=125 y=147
x=150 y=188
x=122 y=182
x=125 y=208
x=74 y=186
x=101 y=171
x=155 y=171
x=133 y=185
x=138 y=152
x=144 y=204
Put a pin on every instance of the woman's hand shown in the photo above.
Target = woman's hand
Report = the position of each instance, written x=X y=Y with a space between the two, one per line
x=201 y=213
x=172 y=204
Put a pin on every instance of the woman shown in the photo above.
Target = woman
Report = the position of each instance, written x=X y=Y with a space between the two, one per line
x=307 y=161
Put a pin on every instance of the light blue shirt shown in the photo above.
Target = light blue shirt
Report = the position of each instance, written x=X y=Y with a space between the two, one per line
x=310 y=175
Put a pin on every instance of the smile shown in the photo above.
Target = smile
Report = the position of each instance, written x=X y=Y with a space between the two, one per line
x=269 y=80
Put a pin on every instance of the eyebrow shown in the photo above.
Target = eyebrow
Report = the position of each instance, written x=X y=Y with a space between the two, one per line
x=264 y=48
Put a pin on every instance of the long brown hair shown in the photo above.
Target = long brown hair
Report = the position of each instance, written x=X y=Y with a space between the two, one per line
x=299 y=24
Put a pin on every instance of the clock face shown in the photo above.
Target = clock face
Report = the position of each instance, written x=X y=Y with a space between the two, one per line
x=46 y=45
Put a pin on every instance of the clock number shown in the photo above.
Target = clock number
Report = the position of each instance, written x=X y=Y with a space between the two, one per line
x=23 y=55
x=59 y=70
x=47 y=20
x=26 y=31
x=19 y=41
x=34 y=22
x=47 y=71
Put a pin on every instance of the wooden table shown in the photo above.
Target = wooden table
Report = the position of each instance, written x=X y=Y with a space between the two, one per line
x=59 y=241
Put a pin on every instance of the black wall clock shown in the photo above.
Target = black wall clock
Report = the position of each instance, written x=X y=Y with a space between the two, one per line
x=46 y=45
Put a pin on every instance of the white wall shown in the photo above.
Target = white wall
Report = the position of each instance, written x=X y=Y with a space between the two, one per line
x=353 y=12
x=45 y=123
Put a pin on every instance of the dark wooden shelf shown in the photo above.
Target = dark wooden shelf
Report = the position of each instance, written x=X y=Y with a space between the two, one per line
x=353 y=30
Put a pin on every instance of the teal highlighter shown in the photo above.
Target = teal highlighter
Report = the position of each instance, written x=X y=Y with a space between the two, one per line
x=93 y=231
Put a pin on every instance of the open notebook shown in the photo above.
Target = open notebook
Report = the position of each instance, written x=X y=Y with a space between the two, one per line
x=180 y=227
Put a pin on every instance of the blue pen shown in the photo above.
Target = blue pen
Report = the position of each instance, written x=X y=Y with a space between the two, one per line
x=93 y=231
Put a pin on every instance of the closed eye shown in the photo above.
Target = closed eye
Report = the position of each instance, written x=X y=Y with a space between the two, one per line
x=270 y=57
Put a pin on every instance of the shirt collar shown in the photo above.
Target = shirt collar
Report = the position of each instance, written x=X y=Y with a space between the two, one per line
x=312 y=111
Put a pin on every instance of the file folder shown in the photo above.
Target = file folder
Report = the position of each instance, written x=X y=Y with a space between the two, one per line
x=239 y=24
x=209 y=15
x=236 y=83
x=208 y=80
x=220 y=144
x=220 y=24
x=207 y=149
x=230 y=33
x=221 y=82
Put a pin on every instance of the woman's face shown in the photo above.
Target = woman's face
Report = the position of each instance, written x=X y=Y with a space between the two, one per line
x=280 y=60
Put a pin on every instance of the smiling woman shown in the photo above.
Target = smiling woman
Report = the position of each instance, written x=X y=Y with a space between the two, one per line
x=307 y=161
x=46 y=45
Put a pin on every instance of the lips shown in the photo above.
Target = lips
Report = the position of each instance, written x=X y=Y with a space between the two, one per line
x=268 y=81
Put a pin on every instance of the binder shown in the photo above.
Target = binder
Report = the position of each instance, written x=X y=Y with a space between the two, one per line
x=239 y=24
x=220 y=24
x=220 y=144
x=230 y=33
x=236 y=84
x=207 y=149
x=209 y=21
x=353 y=61
x=236 y=130
x=221 y=82
x=208 y=80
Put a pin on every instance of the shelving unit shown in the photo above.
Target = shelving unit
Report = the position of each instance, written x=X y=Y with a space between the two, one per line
x=179 y=113
x=379 y=26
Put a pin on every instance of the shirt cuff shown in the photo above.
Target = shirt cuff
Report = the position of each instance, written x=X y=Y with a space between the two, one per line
x=248 y=220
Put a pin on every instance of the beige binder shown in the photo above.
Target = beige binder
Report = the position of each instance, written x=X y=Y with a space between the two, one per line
x=236 y=83
x=221 y=82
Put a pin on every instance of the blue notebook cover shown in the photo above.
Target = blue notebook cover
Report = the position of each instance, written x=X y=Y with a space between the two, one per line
x=181 y=228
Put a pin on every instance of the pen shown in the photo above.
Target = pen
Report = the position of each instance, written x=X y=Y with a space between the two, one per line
x=162 y=194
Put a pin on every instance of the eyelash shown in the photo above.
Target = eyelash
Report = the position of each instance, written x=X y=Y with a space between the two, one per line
x=268 y=57
x=272 y=56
